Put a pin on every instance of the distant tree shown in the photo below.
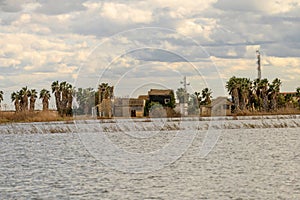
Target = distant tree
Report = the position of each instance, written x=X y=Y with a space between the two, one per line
x=16 y=97
x=244 y=93
x=63 y=93
x=172 y=103
x=1 y=98
x=156 y=110
x=57 y=93
x=33 y=95
x=206 y=96
x=233 y=86
x=182 y=95
x=193 y=105
x=263 y=86
x=274 y=90
x=198 y=98
x=86 y=100
x=298 y=95
x=105 y=92
x=45 y=96
x=24 y=94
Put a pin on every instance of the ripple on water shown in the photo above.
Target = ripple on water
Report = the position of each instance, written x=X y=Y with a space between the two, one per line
x=244 y=164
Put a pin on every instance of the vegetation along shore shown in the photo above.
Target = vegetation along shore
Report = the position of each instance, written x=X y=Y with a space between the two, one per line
x=247 y=97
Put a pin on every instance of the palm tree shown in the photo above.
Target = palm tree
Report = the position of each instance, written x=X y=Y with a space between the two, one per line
x=1 y=98
x=199 y=98
x=182 y=95
x=263 y=87
x=105 y=92
x=194 y=103
x=63 y=97
x=71 y=93
x=298 y=95
x=102 y=88
x=15 y=97
x=256 y=102
x=274 y=90
x=24 y=93
x=245 y=90
x=57 y=93
x=233 y=86
x=64 y=87
x=206 y=96
x=45 y=96
x=85 y=99
x=33 y=95
x=298 y=92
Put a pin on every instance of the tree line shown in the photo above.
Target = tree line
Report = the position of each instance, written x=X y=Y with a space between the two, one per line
x=259 y=95
x=246 y=96
x=24 y=99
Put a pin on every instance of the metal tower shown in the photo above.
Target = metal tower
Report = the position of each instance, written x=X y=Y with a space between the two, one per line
x=185 y=84
x=258 y=65
x=184 y=105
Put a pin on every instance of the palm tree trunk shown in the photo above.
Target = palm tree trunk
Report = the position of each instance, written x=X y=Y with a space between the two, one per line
x=32 y=104
x=45 y=104
x=17 y=105
x=236 y=99
x=57 y=101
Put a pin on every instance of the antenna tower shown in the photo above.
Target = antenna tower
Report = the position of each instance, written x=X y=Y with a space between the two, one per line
x=258 y=65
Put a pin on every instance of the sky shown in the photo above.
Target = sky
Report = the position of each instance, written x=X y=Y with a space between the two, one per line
x=138 y=45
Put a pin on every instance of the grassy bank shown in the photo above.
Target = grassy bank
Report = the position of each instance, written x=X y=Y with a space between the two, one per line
x=48 y=116
x=37 y=116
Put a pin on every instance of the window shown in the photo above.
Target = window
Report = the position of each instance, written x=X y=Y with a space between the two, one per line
x=167 y=101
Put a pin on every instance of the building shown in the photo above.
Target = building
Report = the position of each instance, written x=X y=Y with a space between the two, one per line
x=220 y=106
x=129 y=107
x=164 y=97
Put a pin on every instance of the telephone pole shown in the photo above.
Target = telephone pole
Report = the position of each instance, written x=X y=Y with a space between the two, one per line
x=185 y=84
x=184 y=105
x=258 y=65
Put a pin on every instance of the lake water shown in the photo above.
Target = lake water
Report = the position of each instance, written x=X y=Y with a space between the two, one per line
x=244 y=163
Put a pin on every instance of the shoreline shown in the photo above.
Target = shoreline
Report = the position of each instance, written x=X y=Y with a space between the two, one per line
x=164 y=125
x=66 y=120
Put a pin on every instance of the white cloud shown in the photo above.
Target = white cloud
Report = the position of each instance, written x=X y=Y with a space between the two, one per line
x=192 y=28
x=283 y=62
x=279 y=6
x=9 y=62
x=185 y=7
x=267 y=6
x=49 y=40
x=125 y=14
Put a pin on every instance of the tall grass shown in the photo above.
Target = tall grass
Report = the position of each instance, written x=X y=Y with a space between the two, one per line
x=37 y=116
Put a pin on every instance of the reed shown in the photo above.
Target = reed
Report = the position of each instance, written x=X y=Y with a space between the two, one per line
x=37 y=116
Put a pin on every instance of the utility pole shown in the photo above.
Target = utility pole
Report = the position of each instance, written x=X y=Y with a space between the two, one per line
x=258 y=65
x=184 y=106
x=185 y=84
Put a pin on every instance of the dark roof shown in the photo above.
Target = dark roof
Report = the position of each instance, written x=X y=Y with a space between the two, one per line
x=159 y=92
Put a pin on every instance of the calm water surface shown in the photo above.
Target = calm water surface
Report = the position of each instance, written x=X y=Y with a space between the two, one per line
x=247 y=164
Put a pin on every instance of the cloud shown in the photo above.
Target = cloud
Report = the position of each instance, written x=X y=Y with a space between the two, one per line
x=11 y=5
x=125 y=14
x=193 y=28
x=42 y=41
x=57 y=7
x=267 y=7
